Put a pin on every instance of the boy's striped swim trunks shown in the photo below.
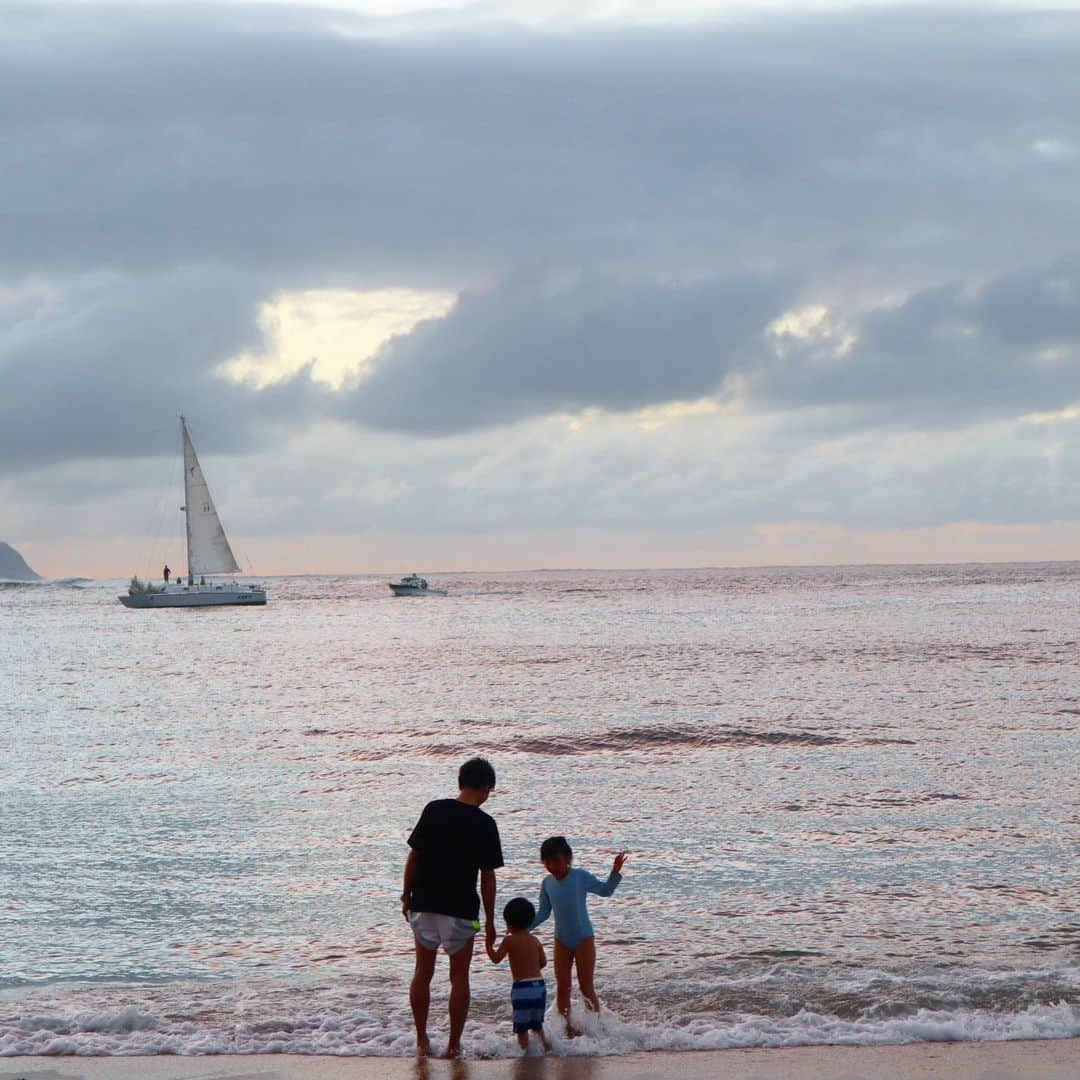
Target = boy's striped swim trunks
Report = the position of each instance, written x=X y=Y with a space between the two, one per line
x=529 y=998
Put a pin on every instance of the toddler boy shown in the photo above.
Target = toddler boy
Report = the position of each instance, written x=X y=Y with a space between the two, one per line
x=528 y=996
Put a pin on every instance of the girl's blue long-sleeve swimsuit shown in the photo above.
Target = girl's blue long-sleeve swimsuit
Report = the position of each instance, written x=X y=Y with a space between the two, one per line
x=566 y=899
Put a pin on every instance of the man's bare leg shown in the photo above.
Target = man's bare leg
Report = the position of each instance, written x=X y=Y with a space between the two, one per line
x=564 y=963
x=420 y=996
x=459 y=996
x=585 y=958
x=544 y=1041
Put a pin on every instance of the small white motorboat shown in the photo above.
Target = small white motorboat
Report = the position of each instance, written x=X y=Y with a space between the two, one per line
x=414 y=585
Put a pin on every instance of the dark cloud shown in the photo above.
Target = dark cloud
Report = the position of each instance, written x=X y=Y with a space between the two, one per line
x=99 y=366
x=880 y=142
x=532 y=347
x=946 y=355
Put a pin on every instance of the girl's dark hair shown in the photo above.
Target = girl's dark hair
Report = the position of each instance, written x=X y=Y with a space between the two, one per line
x=555 y=845
x=476 y=773
x=519 y=913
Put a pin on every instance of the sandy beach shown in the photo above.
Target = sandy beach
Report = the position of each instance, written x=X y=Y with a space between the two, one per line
x=1048 y=1059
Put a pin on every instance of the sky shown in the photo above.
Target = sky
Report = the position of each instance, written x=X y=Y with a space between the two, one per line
x=538 y=284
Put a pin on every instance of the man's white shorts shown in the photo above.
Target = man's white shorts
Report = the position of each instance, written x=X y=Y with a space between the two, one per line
x=431 y=930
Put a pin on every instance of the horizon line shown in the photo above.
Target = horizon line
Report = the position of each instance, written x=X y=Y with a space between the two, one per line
x=625 y=569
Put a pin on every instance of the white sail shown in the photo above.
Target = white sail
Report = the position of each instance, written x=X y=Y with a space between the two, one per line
x=208 y=547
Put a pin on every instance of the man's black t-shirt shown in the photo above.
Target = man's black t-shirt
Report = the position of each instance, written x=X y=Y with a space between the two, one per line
x=453 y=842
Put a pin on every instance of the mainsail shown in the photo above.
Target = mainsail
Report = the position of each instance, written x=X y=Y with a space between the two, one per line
x=208 y=547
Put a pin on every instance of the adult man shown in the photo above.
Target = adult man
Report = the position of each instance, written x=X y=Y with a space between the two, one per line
x=453 y=841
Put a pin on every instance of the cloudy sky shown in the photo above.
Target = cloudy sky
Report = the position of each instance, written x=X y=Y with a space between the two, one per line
x=540 y=283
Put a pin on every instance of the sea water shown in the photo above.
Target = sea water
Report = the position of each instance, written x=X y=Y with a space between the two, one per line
x=850 y=796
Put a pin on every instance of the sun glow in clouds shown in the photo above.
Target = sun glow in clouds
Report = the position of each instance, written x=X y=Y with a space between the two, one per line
x=338 y=330
x=813 y=326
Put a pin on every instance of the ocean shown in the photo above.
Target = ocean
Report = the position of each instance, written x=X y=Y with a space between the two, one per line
x=850 y=797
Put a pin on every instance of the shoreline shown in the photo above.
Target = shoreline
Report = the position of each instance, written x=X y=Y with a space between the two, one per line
x=1018 y=1059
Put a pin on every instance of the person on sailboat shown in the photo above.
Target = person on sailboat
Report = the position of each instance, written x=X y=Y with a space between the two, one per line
x=165 y=573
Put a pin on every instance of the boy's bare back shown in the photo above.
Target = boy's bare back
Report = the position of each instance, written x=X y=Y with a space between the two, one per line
x=525 y=953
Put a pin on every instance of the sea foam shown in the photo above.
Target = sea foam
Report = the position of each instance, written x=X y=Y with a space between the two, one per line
x=129 y=1031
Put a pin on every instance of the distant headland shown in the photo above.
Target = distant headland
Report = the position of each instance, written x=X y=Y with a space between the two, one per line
x=13 y=566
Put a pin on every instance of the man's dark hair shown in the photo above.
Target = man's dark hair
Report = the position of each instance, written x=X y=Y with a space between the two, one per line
x=476 y=773
x=555 y=845
x=519 y=913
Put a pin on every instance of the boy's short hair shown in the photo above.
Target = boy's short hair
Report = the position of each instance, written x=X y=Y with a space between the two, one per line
x=519 y=913
x=555 y=845
x=476 y=773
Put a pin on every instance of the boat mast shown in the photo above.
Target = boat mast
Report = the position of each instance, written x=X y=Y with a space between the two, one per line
x=184 y=439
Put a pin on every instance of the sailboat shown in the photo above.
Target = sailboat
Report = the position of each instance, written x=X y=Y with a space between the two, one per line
x=208 y=552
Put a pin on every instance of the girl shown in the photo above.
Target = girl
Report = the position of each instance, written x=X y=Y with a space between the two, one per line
x=563 y=892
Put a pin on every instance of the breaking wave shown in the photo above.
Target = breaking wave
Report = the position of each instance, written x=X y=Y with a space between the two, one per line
x=761 y=1001
x=47 y=583
x=358 y=1032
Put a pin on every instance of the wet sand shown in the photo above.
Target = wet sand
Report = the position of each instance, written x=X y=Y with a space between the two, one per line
x=1050 y=1059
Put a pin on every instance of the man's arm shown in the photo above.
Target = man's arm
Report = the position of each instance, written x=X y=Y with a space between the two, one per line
x=418 y=839
x=407 y=883
x=487 y=895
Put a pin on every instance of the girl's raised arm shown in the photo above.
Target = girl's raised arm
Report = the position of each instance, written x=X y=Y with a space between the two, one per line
x=602 y=888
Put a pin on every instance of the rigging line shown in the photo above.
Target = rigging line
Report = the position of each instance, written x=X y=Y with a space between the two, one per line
x=160 y=542
x=159 y=548
x=247 y=563
x=165 y=539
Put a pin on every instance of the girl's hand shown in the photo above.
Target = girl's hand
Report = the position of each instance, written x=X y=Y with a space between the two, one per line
x=620 y=861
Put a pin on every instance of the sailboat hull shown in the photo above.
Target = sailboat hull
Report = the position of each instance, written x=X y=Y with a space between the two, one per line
x=197 y=596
